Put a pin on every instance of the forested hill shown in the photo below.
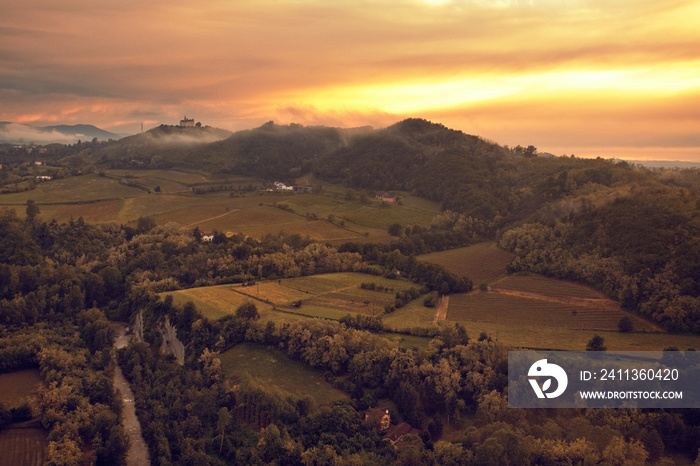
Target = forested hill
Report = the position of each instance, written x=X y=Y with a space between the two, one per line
x=464 y=173
x=161 y=146
x=269 y=152
x=629 y=231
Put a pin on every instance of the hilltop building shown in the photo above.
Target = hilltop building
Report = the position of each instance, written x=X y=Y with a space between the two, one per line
x=187 y=123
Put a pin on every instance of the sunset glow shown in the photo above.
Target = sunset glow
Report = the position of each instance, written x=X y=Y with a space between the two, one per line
x=591 y=77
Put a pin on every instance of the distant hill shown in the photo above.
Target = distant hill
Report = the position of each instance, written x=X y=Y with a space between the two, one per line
x=162 y=147
x=271 y=151
x=65 y=134
x=89 y=131
x=665 y=163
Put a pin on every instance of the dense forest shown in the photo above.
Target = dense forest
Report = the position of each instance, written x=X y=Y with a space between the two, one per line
x=62 y=282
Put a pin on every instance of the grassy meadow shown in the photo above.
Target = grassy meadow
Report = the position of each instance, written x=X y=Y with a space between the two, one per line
x=335 y=214
x=329 y=296
x=274 y=368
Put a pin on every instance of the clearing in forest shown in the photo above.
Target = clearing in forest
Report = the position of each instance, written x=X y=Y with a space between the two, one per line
x=276 y=369
x=330 y=296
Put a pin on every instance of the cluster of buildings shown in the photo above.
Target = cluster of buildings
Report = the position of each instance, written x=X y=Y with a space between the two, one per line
x=279 y=186
x=189 y=123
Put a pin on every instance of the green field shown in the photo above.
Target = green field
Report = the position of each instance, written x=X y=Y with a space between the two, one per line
x=414 y=314
x=329 y=296
x=358 y=208
x=84 y=188
x=543 y=337
x=183 y=178
x=526 y=323
x=482 y=263
x=214 y=302
x=122 y=196
x=274 y=368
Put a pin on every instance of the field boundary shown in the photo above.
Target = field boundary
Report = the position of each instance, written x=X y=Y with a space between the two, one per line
x=212 y=218
x=87 y=201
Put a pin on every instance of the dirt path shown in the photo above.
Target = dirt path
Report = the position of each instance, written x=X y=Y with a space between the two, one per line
x=212 y=218
x=138 y=451
x=441 y=308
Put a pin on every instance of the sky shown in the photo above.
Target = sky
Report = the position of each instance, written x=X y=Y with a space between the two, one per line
x=608 y=78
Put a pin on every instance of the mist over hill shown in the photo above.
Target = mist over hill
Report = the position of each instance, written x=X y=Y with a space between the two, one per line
x=14 y=133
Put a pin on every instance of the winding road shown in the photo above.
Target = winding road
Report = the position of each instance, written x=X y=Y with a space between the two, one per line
x=138 y=451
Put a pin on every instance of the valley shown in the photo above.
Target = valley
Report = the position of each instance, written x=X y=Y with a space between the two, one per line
x=311 y=275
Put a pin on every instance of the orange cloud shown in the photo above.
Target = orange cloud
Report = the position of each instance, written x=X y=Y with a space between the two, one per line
x=543 y=72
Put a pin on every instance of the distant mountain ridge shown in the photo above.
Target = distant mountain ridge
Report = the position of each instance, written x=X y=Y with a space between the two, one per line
x=19 y=133
x=88 y=130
